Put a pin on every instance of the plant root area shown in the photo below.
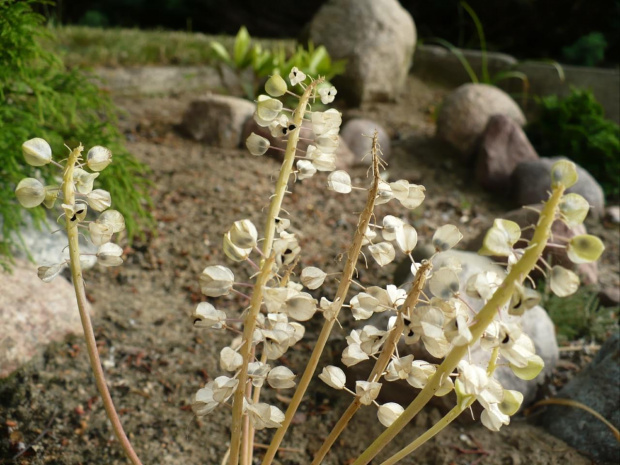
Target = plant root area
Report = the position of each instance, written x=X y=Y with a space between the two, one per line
x=155 y=360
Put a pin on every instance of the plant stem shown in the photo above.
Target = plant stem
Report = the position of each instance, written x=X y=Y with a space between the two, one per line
x=343 y=289
x=484 y=317
x=265 y=272
x=380 y=365
x=80 y=295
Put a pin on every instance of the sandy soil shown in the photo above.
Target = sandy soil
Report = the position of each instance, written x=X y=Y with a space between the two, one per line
x=155 y=360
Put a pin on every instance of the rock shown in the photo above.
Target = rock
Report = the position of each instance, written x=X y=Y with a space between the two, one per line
x=503 y=146
x=553 y=255
x=344 y=157
x=612 y=214
x=535 y=322
x=33 y=314
x=609 y=296
x=531 y=182
x=376 y=37
x=217 y=120
x=465 y=113
x=354 y=133
x=596 y=387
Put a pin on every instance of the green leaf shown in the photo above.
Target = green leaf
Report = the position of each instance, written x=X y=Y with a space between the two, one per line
x=221 y=52
x=242 y=48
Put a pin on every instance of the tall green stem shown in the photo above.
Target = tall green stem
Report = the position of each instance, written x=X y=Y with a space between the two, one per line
x=343 y=289
x=484 y=317
x=68 y=190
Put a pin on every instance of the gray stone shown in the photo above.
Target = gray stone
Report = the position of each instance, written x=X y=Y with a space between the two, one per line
x=33 y=314
x=612 y=214
x=217 y=120
x=531 y=182
x=354 y=133
x=525 y=217
x=609 y=296
x=596 y=387
x=465 y=113
x=344 y=157
x=376 y=37
x=503 y=146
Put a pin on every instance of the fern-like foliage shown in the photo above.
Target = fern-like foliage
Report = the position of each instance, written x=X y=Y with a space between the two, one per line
x=40 y=97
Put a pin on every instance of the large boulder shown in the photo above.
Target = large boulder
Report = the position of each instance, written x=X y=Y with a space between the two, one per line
x=357 y=134
x=465 y=114
x=595 y=387
x=33 y=314
x=376 y=37
x=531 y=181
x=503 y=146
x=525 y=217
x=217 y=120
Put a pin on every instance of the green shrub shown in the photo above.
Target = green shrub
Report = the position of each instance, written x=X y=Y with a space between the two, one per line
x=39 y=97
x=588 y=50
x=575 y=127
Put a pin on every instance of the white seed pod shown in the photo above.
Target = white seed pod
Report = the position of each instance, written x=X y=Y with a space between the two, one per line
x=312 y=277
x=206 y=316
x=446 y=237
x=563 y=282
x=37 y=152
x=263 y=415
x=531 y=370
x=500 y=238
x=333 y=377
x=268 y=108
x=203 y=401
x=257 y=372
x=409 y=195
x=406 y=238
x=326 y=122
x=48 y=273
x=391 y=225
x=327 y=143
x=100 y=233
x=114 y=219
x=305 y=169
x=444 y=283
x=216 y=281
x=275 y=86
x=51 y=195
x=98 y=158
x=574 y=209
x=511 y=402
x=383 y=253
x=236 y=254
x=389 y=412
x=84 y=180
x=110 y=254
x=99 y=200
x=384 y=193
x=30 y=192
x=230 y=360
x=353 y=354
x=563 y=173
x=322 y=161
x=296 y=76
x=339 y=181
x=223 y=388
x=281 y=378
x=367 y=391
x=257 y=145
x=243 y=234
x=584 y=248
x=300 y=306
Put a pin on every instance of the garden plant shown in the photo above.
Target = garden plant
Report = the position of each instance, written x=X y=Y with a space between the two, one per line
x=281 y=299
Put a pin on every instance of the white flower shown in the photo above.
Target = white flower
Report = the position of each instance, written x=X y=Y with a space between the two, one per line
x=98 y=158
x=257 y=145
x=109 y=254
x=286 y=248
x=75 y=213
x=275 y=86
x=563 y=282
x=333 y=377
x=99 y=200
x=282 y=224
x=281 y=378
x=312 y=277
x=230 y=360
x=30 y=192
x=296 y=76
x=389 y=412
x=216 y=281
x=37 y=152
x=339 y=181
x=493 y=418
x=399 y=368
x=367 y=391
x=457 y=331
x=327 y=94
x=206 y=316
x=446 y=237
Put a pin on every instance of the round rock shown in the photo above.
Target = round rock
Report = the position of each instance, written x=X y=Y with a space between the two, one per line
x=357 y=134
